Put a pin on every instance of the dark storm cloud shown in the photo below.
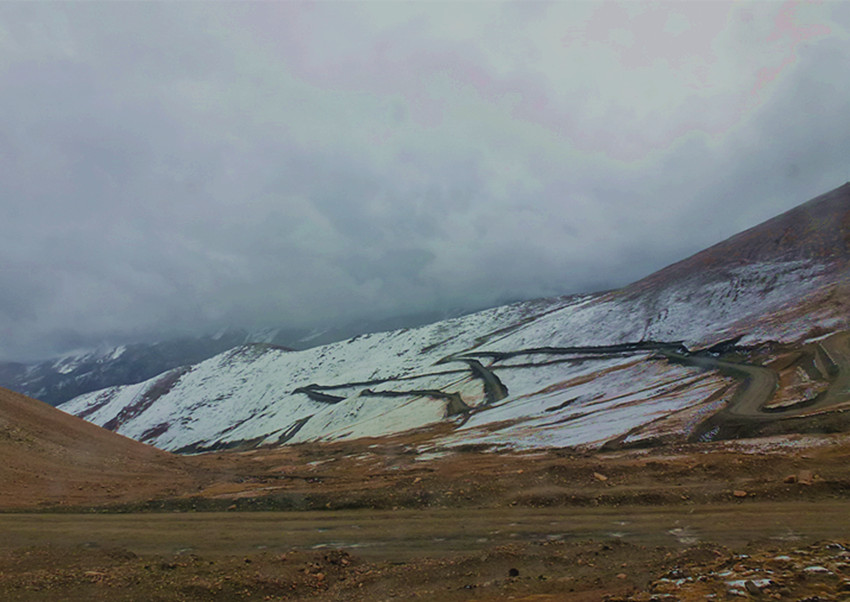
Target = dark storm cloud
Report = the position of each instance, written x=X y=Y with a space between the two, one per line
x=179 y=167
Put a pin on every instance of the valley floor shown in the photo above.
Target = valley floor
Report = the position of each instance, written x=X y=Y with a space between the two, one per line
x=629 y=553
x=396 y=518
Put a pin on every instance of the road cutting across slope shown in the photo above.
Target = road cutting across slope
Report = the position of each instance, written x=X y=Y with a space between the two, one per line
x=759 y=383
x=757 y=387
x=494 y=389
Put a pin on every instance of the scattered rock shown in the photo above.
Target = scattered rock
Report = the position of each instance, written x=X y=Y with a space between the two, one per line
x=95 y=576
x=739 y=493
x=600 y=477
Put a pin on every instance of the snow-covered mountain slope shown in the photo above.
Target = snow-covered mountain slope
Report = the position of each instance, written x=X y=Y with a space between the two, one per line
x=581 y=370
x=58 y=379
x=698 y=310
x=253 y=390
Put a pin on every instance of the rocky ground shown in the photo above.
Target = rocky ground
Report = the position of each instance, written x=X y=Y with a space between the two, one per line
x=812 y=573
x=582 y=571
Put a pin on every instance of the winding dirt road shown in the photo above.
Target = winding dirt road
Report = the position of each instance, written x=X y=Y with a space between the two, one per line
x=759 y=384
x=757 y=387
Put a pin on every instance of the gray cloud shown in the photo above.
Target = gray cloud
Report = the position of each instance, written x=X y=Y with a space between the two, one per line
x=172 y=167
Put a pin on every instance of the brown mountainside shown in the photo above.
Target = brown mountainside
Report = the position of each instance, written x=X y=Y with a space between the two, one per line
x=49 y=457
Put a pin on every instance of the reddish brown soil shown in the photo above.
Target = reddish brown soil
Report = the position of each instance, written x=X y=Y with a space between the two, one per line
x=389 y=474
x=51 y=458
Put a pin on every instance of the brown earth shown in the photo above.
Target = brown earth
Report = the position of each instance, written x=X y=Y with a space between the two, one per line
x=49 y=458
x=107 y=518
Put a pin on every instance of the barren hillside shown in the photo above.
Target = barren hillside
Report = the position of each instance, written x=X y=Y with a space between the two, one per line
x=51 y=458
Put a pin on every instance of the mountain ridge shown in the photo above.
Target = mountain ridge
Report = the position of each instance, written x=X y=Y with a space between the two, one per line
x=827 y=214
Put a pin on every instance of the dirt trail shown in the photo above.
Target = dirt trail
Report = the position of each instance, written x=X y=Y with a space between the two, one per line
x=495 y=390
x=454 y=402
x=757 y=387
x=408 y=534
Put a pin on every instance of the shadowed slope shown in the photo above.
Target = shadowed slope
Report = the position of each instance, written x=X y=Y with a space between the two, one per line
x=49 y=457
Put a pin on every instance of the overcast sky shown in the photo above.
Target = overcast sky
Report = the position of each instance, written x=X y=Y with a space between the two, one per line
x=172 y=167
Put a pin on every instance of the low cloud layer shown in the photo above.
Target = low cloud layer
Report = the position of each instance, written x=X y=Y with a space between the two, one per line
x=181 y=167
